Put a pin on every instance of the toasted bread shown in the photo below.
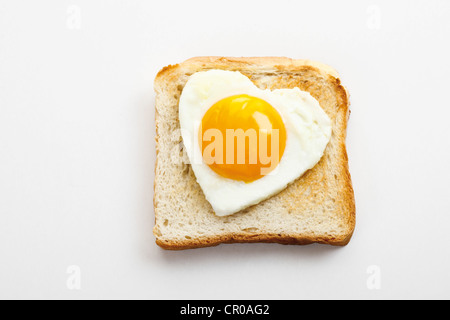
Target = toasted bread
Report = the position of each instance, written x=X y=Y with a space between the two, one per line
x=319 y=207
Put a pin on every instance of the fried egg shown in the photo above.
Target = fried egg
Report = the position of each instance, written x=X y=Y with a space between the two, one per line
x=246 y=144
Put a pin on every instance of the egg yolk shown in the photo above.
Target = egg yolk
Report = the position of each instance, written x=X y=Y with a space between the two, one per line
x=242 y=138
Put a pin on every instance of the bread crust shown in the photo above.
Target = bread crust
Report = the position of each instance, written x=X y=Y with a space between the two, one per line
x=269 y=65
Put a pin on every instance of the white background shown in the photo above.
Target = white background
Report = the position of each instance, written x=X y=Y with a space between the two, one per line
x=77 y=147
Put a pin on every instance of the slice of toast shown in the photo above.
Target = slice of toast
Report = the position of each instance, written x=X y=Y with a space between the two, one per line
x=319 y=207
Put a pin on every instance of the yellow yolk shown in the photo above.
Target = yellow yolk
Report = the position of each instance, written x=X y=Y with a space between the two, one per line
x=242 y=138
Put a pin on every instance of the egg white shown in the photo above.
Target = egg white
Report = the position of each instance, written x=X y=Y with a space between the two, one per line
x=307 y=125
